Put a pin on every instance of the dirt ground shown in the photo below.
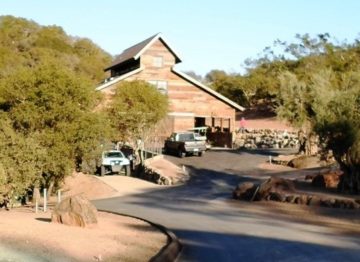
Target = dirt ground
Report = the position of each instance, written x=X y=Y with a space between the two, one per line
x=115 y=238
x=118 y=238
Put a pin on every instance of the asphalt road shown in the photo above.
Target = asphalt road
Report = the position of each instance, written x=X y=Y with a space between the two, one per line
x=212 y=227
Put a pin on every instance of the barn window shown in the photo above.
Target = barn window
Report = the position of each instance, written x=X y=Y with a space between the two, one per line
x=158 y=61
x=160 y=85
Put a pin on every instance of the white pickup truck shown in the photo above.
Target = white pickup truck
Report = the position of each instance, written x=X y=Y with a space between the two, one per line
x=114 y=161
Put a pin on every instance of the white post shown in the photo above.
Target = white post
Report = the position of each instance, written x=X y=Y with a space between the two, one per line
x=270 y=159
x=45 y=200
x=59 y=196
x=36 y=205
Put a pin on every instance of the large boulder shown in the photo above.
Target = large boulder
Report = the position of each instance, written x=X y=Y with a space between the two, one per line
x=244 y=191
x=304 y=162
x=275 y=185
x=330 y=180
x=75 y=211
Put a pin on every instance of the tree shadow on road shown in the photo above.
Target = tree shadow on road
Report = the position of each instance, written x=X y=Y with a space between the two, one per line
x=216 y=246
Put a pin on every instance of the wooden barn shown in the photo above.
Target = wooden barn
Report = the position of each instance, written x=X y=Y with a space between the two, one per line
x=192 y=104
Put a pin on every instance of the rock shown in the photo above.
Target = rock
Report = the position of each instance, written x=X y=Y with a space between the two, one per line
x=314 y=201
x=330 y=180
x=356 y=205
x=276 y=196
x=350 y=204
x=165 y=181
x=340 y=203
x=328 y=202
x=244 y=191
x=318 y=181
x=75 y=211
x=263 y=138
x=275 y=184
x=291 y=199
x=304 y=162
x=309 y=177
x=302 y=200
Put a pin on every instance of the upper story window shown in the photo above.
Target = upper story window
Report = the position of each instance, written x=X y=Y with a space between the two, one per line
x=158 y=61
x=160 y=85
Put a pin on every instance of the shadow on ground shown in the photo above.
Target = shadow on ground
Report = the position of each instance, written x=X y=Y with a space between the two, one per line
x=257 y=248
x=213 y=227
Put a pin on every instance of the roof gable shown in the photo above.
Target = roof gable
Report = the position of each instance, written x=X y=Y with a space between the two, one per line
x=208 y=90
x=135 y=51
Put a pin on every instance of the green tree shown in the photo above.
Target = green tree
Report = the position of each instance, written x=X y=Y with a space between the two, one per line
x=194 y=75
x=20 y=161
x=135 y=109
x=47 y=101
x=24 y=43
x=55 y=107
x=331 y=108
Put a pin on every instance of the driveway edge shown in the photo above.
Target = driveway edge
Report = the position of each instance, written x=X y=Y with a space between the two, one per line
x=167 y=253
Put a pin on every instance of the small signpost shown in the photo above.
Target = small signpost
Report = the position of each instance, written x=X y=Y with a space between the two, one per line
x=45 y=200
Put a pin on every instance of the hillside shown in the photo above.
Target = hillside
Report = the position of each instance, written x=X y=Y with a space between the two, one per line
x=24 y=43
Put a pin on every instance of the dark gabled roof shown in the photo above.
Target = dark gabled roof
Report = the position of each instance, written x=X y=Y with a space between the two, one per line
x=135 y=51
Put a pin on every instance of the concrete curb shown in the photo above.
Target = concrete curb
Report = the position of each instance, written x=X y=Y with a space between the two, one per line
x=167 y=253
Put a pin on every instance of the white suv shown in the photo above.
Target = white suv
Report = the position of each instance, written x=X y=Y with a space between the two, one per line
x=114 y=161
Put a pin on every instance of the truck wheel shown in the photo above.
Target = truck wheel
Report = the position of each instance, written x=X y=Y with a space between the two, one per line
x=181 y=154
x=201 y=153
x=102 y=171
x=127 y=170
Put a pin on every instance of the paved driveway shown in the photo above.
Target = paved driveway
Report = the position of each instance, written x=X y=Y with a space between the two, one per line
x=212 y=227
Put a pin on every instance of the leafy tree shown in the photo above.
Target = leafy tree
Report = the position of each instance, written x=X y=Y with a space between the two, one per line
x=47 y=101
x=54 y=107
x=194 y=75
x=20 y=161
x=304 y=57
x=332 y=109
x=24 y=43
x=135 y=109
x=88 y=135
x=231 y=86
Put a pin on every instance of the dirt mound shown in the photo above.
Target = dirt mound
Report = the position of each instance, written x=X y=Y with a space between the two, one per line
x=168 y=170
x=88 y=186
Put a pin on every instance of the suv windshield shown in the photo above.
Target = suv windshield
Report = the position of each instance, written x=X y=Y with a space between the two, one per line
x=114 y=154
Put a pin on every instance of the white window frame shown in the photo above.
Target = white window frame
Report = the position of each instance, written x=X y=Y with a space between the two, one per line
x=158 y=61
x=161 y=85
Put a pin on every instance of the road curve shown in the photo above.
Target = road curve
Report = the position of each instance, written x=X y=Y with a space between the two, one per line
x=212 y=227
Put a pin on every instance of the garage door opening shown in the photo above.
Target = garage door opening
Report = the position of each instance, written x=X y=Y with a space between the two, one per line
x=199 y=122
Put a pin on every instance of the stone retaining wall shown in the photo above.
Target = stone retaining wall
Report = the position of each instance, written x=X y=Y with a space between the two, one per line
x=265 y=138
x=154 y=176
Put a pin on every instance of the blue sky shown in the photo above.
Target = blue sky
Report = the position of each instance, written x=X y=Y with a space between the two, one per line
x=207 y=34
